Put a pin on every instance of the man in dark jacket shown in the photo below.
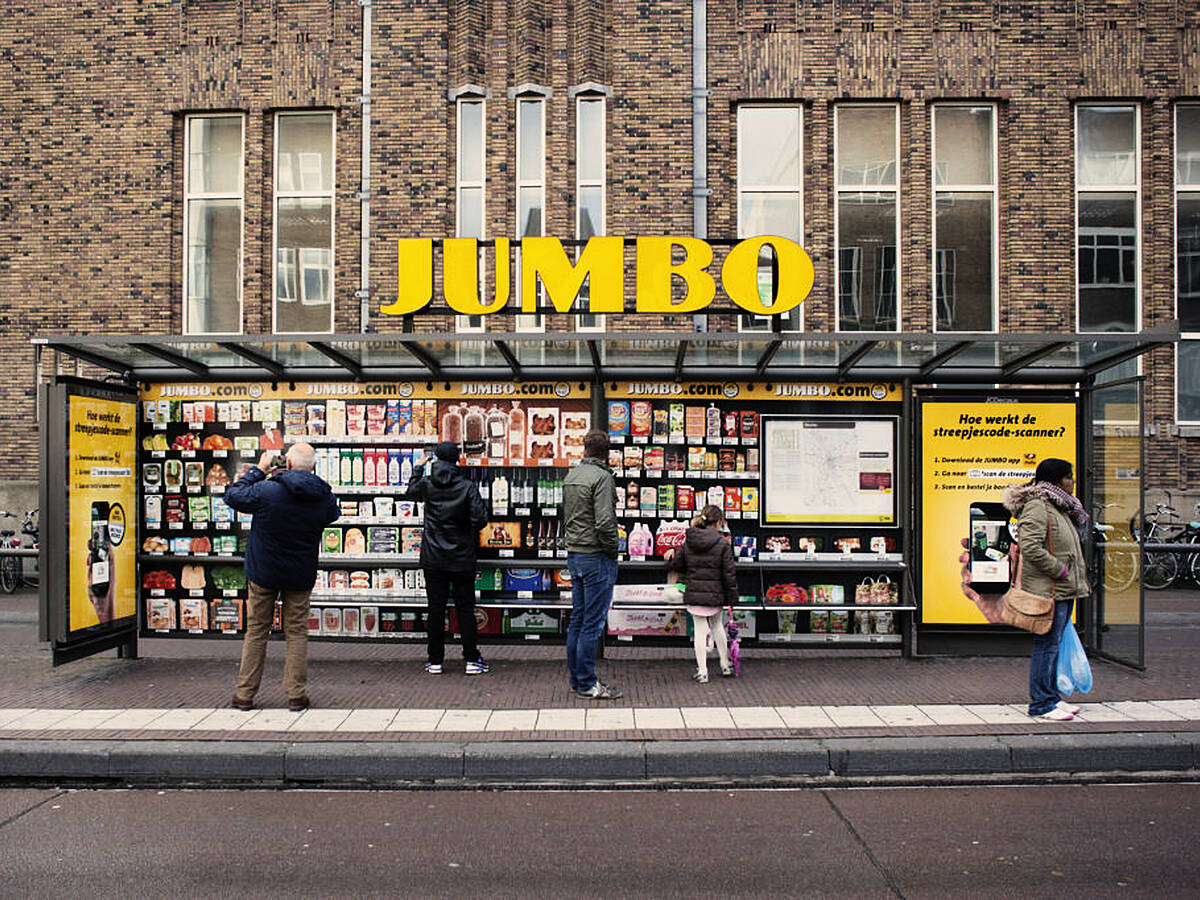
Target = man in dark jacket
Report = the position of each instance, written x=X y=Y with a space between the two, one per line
x=454 y=515
x=589 y=507
x=290 y=510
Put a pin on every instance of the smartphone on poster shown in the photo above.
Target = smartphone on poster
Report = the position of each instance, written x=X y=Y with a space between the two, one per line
x=991 y=537
x=101 y=547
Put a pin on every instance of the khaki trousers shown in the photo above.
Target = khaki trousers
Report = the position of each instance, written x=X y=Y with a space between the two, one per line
x=260 y=610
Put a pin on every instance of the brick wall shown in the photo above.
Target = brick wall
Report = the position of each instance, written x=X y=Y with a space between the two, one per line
x=91 y=150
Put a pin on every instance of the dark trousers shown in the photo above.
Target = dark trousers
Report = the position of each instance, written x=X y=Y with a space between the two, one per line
x=438 y=587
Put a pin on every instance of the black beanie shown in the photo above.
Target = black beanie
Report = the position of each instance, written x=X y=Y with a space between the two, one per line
x=446 y=451
x=1052 y=470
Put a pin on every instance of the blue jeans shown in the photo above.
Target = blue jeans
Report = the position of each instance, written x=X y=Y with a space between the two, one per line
x=592 y=578
x=1043 y=665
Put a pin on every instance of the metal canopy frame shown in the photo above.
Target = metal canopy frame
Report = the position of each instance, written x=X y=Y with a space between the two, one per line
x=944 y=358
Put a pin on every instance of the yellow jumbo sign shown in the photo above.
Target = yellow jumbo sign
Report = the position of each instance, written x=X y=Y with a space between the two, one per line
x=602 y=263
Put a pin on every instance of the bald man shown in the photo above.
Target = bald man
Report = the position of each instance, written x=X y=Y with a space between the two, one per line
x=291 y=507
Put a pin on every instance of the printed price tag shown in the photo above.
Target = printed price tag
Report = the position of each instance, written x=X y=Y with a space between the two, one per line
x=217 y=489
x=195 y=592
x=160 y=426
x=524 y=595
x=522 y=511
x=730 y=441
x=155 y=592
x=733 y=514
x=545 y=554
x=195 y=631
x=612 y=438
x=549 y=510
x=832 y=638
x=222 y=526
x=175 y=526
x=675 y=474
x=196 y=426
x=560 y=554
x=749 y=442
x=158 y=454
x=499 y=510
x=188 y=454
x=695 y=439
x=220 y=454
x=533 y=637
x=694 y=473
x=229 y=593
x=654 y=473
x=234 y=426
x=506 y=554
x=641 y=438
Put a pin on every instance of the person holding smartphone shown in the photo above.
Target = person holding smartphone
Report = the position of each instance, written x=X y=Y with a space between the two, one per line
x=291 y=507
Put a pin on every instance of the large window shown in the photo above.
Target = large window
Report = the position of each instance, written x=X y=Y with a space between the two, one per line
x=212 y=224
x=964 y=221
x=866 y=195
x=1187 y=260
x=770 y=189
x=471 y=188
x=531 y=188
x=1107 y=189
x=304 y=180
x=590 y=153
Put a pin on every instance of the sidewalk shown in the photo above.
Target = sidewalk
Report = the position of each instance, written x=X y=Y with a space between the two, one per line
x=379 y=719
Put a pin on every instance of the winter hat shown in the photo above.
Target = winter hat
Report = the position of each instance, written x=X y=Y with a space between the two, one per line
x=1052 y=470
x=446 y=451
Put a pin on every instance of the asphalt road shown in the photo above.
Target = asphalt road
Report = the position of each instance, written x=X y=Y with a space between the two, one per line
x=1061 y=841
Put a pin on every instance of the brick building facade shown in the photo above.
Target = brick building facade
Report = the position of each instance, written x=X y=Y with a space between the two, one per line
x=93 y=138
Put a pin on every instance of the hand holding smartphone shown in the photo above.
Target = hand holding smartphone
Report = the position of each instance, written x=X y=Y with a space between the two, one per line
x=990 y=538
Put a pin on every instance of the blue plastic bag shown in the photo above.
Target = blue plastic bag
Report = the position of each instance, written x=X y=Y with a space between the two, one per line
x=1074 y=671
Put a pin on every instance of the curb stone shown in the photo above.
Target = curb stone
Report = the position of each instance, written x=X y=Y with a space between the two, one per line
x=372 y=762
x=1124 y=752
x=244 y=761
x=555 y=760
x=714 y=759
x=918 y=756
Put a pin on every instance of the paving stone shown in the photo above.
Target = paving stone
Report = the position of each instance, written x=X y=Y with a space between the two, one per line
x=804 y=717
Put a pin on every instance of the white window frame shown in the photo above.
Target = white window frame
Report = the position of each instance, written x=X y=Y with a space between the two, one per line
x=528 y=322
x=1135 y=189
x=464 y=324
x=189 y=196
x=748 y=187
x=1180 y=188
x=296 y=193
x=992 y=188
x=840 y=189
x=601 y=228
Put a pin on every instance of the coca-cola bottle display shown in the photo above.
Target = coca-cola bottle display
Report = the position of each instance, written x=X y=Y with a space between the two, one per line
x=497 y=433
x=452 y=425
x=516 y=432
x=474 y=431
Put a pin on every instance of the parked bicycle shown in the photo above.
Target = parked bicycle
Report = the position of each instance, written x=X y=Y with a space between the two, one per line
x=1161 y=568
x=1121 y=565
x=16 y=571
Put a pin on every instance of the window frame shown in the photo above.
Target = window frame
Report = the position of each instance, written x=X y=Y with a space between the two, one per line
x=1177 y=189
x=463 y=324
x=992 y=188
x=581 y=183
x=296 y=193
x=189 y=196
x=528 y=322
x=742 y=187
x=1135 y=189
x=838 y=190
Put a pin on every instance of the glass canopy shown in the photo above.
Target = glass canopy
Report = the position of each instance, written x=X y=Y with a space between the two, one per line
x=954 y=358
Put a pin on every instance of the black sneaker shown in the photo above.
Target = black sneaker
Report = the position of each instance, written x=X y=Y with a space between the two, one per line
x=600 y=691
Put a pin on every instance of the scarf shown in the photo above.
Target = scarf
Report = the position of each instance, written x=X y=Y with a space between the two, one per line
x=1068 y=503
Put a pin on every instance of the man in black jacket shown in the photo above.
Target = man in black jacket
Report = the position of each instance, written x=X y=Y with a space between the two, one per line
x=454 y=516
x=291 y=508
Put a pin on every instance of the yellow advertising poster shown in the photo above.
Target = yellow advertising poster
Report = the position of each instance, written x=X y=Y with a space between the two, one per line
x=970 y=452
x=101 y=511
x=733 y=390
x=369 y=391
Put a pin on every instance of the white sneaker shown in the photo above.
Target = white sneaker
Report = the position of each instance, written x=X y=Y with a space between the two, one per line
x=433 y=668
x=1055 y=715
x=1069 y=707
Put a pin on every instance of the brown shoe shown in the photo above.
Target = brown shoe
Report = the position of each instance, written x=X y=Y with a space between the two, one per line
x=299 y=704
x=243 y=705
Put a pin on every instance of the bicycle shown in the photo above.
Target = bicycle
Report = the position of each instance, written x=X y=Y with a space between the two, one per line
x=1120 y=566
x=1161 y=569
x=13 y=572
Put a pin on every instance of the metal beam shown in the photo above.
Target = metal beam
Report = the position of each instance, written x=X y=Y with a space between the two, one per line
x=767 y=356
x=175 y=359
x=509 y=357
x=940 y=359
x=338 y=357
x=850 y=361
x=95 y=359
x=421 y=355
x=1026 y=359
x=595 y=354
x=680 y=353
x=258 y=359
x=1114 y=359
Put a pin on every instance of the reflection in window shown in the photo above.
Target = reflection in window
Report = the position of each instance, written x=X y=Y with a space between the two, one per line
x=470 y=189
x=531 y=190
x=590 y=158
x=1106 y=220
x=212 y=237
x=1187 y=260
x=304 y=185
x=770 y=192
x=964 y=225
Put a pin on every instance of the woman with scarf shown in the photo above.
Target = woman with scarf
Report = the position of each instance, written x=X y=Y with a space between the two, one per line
x=1049 y=517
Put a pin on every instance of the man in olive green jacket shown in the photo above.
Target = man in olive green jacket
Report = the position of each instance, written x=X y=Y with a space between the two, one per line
x=589 y=507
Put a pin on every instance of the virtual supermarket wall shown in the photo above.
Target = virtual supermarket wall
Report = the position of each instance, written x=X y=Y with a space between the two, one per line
x=92 y=148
